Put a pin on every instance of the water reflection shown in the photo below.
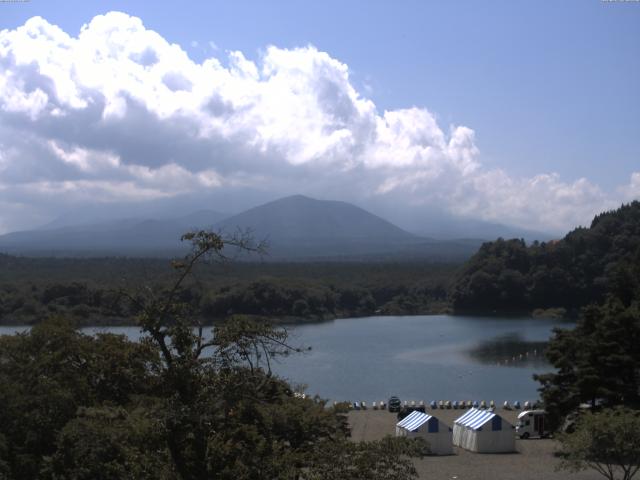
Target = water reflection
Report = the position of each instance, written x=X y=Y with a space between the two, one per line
x=509 y=350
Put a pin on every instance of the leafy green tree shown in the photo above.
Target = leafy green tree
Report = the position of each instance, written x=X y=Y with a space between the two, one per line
x=386 y=459
x=110 y=443
x=47 y=374
x=598 y=362
x=607 y=442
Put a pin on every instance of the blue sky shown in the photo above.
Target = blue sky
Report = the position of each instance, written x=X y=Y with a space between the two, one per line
x=547 y=86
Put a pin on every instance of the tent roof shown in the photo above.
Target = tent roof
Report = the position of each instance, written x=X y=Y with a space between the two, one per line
x=413 y=421
x=475 y=418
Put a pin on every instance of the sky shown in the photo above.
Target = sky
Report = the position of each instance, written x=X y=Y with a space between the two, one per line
x=525 y=113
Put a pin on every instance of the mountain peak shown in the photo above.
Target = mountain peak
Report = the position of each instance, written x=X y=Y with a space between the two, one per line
x=294 y=199
x=302 y=217
x=298 y=197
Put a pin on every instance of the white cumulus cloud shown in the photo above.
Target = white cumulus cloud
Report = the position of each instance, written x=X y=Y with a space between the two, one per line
x=632 y=190
x=119 y=114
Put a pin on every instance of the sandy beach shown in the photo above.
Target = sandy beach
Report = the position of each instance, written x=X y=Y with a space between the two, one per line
x=533 y=460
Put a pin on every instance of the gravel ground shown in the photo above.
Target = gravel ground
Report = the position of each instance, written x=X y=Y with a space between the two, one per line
x=534 y=459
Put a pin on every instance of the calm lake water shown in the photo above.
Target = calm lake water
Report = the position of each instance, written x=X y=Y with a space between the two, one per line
x=415 y=357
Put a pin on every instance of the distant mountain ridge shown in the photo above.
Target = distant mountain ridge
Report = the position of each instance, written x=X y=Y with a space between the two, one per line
x=295 y=227
x=115 y=237
x=443 y=228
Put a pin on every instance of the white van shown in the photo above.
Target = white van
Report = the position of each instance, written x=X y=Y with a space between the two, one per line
x=532 y=423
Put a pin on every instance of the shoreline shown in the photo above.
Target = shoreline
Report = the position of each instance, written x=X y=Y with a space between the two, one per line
x=294 y=321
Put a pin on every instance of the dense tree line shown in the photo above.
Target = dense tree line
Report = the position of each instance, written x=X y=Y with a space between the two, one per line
x=32 y=289
x=580 y=269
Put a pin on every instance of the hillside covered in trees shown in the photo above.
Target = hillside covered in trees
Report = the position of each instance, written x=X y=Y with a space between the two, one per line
x=507 y=276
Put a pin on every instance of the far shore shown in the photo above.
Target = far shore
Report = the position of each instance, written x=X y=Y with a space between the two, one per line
x=294 y=321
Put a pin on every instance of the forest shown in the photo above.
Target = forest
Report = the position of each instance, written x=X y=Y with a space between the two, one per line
x=98 y=291
x=509 y=276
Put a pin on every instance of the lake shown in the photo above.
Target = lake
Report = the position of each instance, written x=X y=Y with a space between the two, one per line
x=426 y=358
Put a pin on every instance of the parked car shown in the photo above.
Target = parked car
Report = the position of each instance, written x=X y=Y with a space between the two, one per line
x=394 y=404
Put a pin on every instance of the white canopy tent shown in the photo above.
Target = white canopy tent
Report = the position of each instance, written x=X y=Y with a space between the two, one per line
x=418 y=424
x=484 y=431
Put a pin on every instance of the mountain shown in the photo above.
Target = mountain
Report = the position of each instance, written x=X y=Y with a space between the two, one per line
x=441 y=227
x=302 y=218
x=438 y=223
x=302 y=227
x=132 y=236
x=295 y=228
x=428 y=221
x=299 y=227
